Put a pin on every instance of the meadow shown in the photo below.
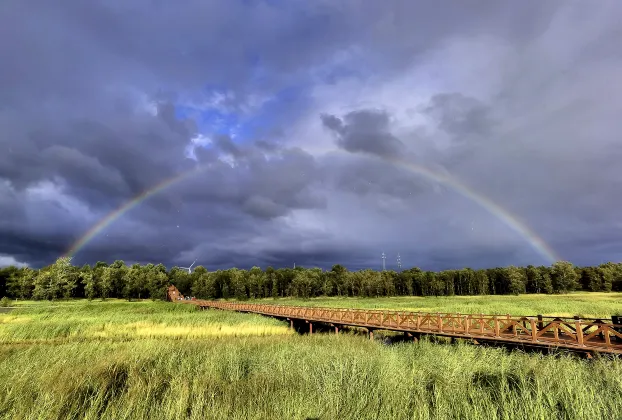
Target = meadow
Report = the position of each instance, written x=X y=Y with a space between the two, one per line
x=157 y=360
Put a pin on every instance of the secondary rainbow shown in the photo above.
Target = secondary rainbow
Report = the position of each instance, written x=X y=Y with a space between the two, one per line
x=510 y=220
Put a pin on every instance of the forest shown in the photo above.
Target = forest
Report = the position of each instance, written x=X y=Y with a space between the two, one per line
x=62 y=280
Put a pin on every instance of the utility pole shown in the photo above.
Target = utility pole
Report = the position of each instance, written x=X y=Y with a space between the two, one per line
x=384 y=258
x=399 y=262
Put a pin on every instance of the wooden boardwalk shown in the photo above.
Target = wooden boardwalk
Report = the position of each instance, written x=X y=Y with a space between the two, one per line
x=583 y=335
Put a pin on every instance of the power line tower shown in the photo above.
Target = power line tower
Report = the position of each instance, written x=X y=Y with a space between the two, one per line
x=399 y=262
x=384 y=258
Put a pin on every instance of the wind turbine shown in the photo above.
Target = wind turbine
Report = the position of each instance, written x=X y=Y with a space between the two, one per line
x=189 y=268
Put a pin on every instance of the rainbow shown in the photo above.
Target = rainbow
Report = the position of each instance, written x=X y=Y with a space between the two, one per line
x=129 y=205
x=510 y=220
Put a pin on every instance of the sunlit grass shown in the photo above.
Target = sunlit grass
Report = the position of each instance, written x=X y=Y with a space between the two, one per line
x=583 y=304
x=146 y=360
x=83 y=320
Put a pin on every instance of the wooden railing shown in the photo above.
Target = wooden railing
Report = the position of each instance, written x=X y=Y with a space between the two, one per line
x=584 y=334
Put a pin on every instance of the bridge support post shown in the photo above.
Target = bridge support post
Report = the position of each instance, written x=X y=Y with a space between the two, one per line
x=336 y=329
x=291 y=324
x=371 y=333
x=310 y=328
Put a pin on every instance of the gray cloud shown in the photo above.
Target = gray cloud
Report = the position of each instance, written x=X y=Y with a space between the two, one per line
x=518 y=100
x=364 y=131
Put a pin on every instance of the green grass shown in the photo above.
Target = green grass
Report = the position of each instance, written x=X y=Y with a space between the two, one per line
x=83 y=360
x=112 y=320
x=583 y=304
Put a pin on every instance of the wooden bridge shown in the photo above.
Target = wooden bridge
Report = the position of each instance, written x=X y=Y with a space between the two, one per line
x=586 y=335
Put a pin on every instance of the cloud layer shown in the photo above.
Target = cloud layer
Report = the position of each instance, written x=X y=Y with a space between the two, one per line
x=290 y=118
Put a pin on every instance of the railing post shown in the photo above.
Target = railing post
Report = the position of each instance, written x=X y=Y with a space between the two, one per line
x=418 y=326
x=439 y=322
x=496 y=320
x=579 y=331
x=467 y=325
x=509 y=318
x=540 y=323
x=534 y=330
x=617 y=320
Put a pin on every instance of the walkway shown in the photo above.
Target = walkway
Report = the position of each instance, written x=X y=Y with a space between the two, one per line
x=583 y=335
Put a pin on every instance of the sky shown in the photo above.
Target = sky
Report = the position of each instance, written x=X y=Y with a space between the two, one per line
x=455 y=134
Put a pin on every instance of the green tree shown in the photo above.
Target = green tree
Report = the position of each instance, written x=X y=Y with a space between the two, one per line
x=435 y=284
x=255 y=280
x=607 y=273
x=590 y=279
x=339 y=279
x=565 y=278
x=388 y=279
x=238 y=283
x=21 y=283
x=158 y=283
x=106 y=282
x=64 y=278
x=6 y=274
x=547 y=280
x=90 y=284
x=133 y=278
x=41 y=283
x=480 y=278
x=181 y=279
x=272 y=282
x=534 y=280
x=204 y=285
x=117 y=271
x=516 y=279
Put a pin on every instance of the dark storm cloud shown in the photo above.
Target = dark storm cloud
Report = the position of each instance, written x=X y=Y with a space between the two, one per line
x=88 y=96
x=370 y=176
x=366 y=131
x=265 y=186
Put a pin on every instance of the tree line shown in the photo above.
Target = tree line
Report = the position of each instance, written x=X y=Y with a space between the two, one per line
x=117 y=280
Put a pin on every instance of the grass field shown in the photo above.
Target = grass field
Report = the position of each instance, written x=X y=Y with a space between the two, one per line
x=583 y=304
x=146 y=360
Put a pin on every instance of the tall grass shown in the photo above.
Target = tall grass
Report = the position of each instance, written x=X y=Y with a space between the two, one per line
x=53 y=366
x=583 y=304
x=117 y=320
